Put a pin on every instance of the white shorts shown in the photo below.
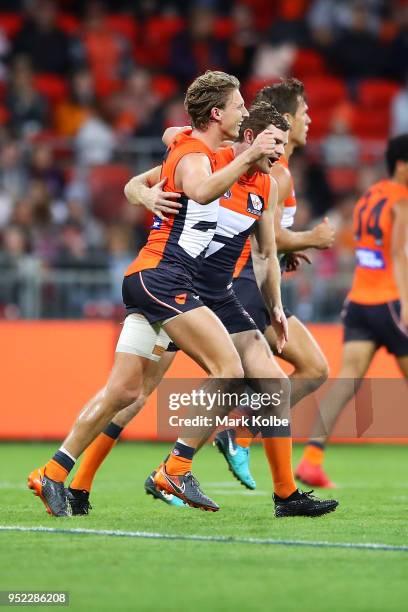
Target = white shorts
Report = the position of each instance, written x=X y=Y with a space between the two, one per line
x=140 y=338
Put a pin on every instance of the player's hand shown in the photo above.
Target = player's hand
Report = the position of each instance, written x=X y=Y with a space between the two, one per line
x=293 y=261
x=159 y=201
x=323 y=235
x=264 y=145
x=280 y=326
x=404 y=316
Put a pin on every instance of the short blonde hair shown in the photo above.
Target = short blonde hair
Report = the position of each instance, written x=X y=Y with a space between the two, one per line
x=209 y=90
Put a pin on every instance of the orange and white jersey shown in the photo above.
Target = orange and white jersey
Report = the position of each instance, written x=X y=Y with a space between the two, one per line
x=374 y=281
x=183 y=240
x=289 y=205
x=244 y=267
x=240 y=208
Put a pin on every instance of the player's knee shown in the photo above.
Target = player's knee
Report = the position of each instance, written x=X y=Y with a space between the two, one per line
x=228 y=370
x=319 y=370
x=123 y=394
x=315 y=371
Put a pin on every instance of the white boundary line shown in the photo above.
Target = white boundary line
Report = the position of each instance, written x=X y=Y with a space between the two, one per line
x=204 y=538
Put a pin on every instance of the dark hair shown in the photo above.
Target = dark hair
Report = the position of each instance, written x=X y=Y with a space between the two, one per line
x=209 y=90
x=397 y=149
x=262 y=114
x=283 y=95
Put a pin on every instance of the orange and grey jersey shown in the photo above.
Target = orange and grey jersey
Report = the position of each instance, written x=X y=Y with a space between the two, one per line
x=374 y=281
x=244 y=267
x=240 y=208
x=182 y=241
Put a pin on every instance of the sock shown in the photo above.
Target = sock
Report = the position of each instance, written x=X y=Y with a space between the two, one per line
x=279 y=454
x=245 y=442
x=60 y=465
x=94 y=456
x=314 y=453
x=180 y=459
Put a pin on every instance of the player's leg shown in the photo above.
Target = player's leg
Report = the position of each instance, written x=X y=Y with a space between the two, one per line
x=264 y=372
x=139 y=344
x=302 y=351
x=357 y=356
x=310 y=371
x=201 y=335
x=97 y=451
x=403 y=365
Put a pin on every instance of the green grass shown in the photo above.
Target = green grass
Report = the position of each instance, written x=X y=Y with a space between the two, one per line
x=106 y=573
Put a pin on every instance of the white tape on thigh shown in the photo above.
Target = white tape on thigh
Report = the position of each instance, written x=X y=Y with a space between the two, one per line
x=140 y=338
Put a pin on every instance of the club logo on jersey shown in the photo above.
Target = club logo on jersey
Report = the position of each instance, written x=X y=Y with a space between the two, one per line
x=255 y=204
x=371 y=259
x=227 y=195
x=157 y=223
x=181 y=298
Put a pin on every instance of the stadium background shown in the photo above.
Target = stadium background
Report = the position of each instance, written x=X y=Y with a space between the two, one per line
x=86 y=90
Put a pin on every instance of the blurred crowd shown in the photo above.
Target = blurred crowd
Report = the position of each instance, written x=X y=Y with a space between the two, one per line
x=83 y=82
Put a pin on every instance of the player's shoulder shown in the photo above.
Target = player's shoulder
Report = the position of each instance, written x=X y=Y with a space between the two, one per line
x=283 y=178
x=391 y=189
x=224 y=155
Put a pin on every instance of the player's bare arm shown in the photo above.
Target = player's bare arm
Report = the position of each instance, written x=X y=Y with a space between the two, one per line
x=400 y=255
x=193 y=172
x=170 y=133
x=147 y=190
x=320 y=237
x=267 y=271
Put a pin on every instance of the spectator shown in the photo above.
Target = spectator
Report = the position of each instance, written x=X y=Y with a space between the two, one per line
x=95 y=142
x=44 y=168
x=137 y=105
x=340 y=148
x=274 y=62
x=42 y=40
x=121 y=253
x=196 y=49
x=15 y=245
x=399 y=112
x=242 y=44
x=13 y=172
x=399 y=47
x=27 y=108
x=175 y=113
x=43 y=231
x=357 y=52
x=107 y=54
x=291 y=25
x=70 y=114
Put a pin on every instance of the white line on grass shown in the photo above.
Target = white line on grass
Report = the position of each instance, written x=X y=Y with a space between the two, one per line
x=204 y=538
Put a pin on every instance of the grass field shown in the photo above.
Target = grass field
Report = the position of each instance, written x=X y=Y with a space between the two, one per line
x=104 y=572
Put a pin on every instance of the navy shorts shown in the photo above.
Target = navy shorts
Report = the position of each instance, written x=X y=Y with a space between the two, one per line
x=158 y=294
x=378 y=323
x=250 y=297
x=231 y=314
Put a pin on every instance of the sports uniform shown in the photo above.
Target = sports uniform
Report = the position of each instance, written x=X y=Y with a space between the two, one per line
x=372 y=308
x=158 y=283
x=240 y=208
x=245 y=285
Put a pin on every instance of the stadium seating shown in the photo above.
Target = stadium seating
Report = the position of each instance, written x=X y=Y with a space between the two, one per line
x=308 y=63
x=376 y=93
x=52 y=87
x=10 y=23
x=325 y=91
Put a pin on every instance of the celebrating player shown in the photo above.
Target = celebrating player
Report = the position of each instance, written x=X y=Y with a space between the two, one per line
x=302 y=350
x=163 y=272
x=240 y=208
x=375 y=313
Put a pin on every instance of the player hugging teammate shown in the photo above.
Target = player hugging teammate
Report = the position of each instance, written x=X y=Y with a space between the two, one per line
x=168 y=295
